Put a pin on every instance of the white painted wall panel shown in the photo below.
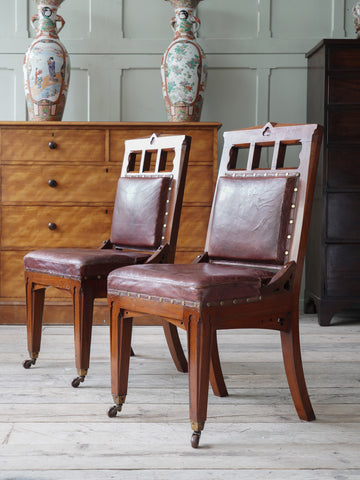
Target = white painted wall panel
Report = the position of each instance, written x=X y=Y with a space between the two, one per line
x=146 y=20
x=225 y=97
x=288 y=95
x=311 y=18
x=229 y=21
x=142 y=96
x=7 y=103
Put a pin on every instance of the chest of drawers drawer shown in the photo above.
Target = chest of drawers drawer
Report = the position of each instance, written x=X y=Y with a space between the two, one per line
x=52 y=145
x=56 y=184
x=32 y=227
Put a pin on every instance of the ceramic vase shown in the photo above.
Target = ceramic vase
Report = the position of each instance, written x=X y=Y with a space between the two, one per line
x=356 y=14
x=46 y=65
x=183 y=66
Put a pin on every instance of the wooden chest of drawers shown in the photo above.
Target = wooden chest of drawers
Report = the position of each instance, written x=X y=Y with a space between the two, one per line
x=333 y=254
x=58 y=183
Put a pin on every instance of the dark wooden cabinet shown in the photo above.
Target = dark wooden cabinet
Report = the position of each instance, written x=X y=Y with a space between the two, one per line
x=333 y=257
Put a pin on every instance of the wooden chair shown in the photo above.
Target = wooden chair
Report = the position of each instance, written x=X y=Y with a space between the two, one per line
x=249 y=275
x=144 y=230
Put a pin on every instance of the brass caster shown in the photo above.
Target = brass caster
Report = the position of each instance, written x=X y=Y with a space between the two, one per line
x=76 y=382
x=111 y=413
x=27 y=364
x=195 y=439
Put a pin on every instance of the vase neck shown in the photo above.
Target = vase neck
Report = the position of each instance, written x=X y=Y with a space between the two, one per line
x=47 y=17
x=184 y=22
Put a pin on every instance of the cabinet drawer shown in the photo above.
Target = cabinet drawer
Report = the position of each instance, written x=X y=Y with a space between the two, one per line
x=342 y=270
x=344 y=89
x=12 y=277
x=71 y=145
x=343 y=217
x=343 y=168
x=51 y=183
x=344 y=58
x=344 y=126
x=27 y=227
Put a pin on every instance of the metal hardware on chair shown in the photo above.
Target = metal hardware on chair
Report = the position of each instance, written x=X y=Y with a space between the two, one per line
x=52 y=145
x=52 y=226
x=52 y=183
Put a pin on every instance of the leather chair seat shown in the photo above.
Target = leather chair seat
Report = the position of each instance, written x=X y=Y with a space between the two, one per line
x=80 y=262
x=203 y=283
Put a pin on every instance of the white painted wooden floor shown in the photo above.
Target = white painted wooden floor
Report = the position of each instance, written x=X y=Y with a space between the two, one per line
x=51 y=431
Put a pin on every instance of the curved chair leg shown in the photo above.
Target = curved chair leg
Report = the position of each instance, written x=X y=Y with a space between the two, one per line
x=175 y=347
x=83 y=305
x=34 y=310
x=216 y=376
x=120 y=350
x=199 y=348
x=290 y=343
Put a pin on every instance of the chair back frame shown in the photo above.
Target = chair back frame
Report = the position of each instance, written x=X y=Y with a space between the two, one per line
x=278 y=136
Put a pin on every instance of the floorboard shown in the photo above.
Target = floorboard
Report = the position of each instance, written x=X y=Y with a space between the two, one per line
x=51 y=431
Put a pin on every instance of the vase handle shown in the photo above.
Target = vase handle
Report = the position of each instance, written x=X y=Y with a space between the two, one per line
x=33 y=20
x=173 y=23
x=59 y=18
x=196 y=24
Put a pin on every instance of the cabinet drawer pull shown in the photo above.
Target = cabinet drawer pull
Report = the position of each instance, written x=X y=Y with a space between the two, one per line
x=52 y=183
x=52 y=226
x=52 y=145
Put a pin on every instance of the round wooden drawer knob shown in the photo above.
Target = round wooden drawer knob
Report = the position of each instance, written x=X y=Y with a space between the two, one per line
x=52 y=226
x=52 y=145
x=52 y=183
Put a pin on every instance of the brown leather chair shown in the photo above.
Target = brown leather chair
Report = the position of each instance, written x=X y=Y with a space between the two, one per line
x=144 y=230
x=249 y=275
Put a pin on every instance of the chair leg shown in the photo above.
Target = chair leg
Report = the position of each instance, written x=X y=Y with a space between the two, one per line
x=200 y=338
x=120 y=350
x=83 y=304
x=216 y=376
x=175 y=347
x=290 y=343
x=34 y=312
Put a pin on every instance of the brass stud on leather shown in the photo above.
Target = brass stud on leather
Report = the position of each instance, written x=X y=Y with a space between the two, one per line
x=98 y=277
x=291 y=221
x=293 y=205
x=235 y=301
x=295 y=189
x=208 y=304
x=289 y=236
x=286 y=252
x=221 y=303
